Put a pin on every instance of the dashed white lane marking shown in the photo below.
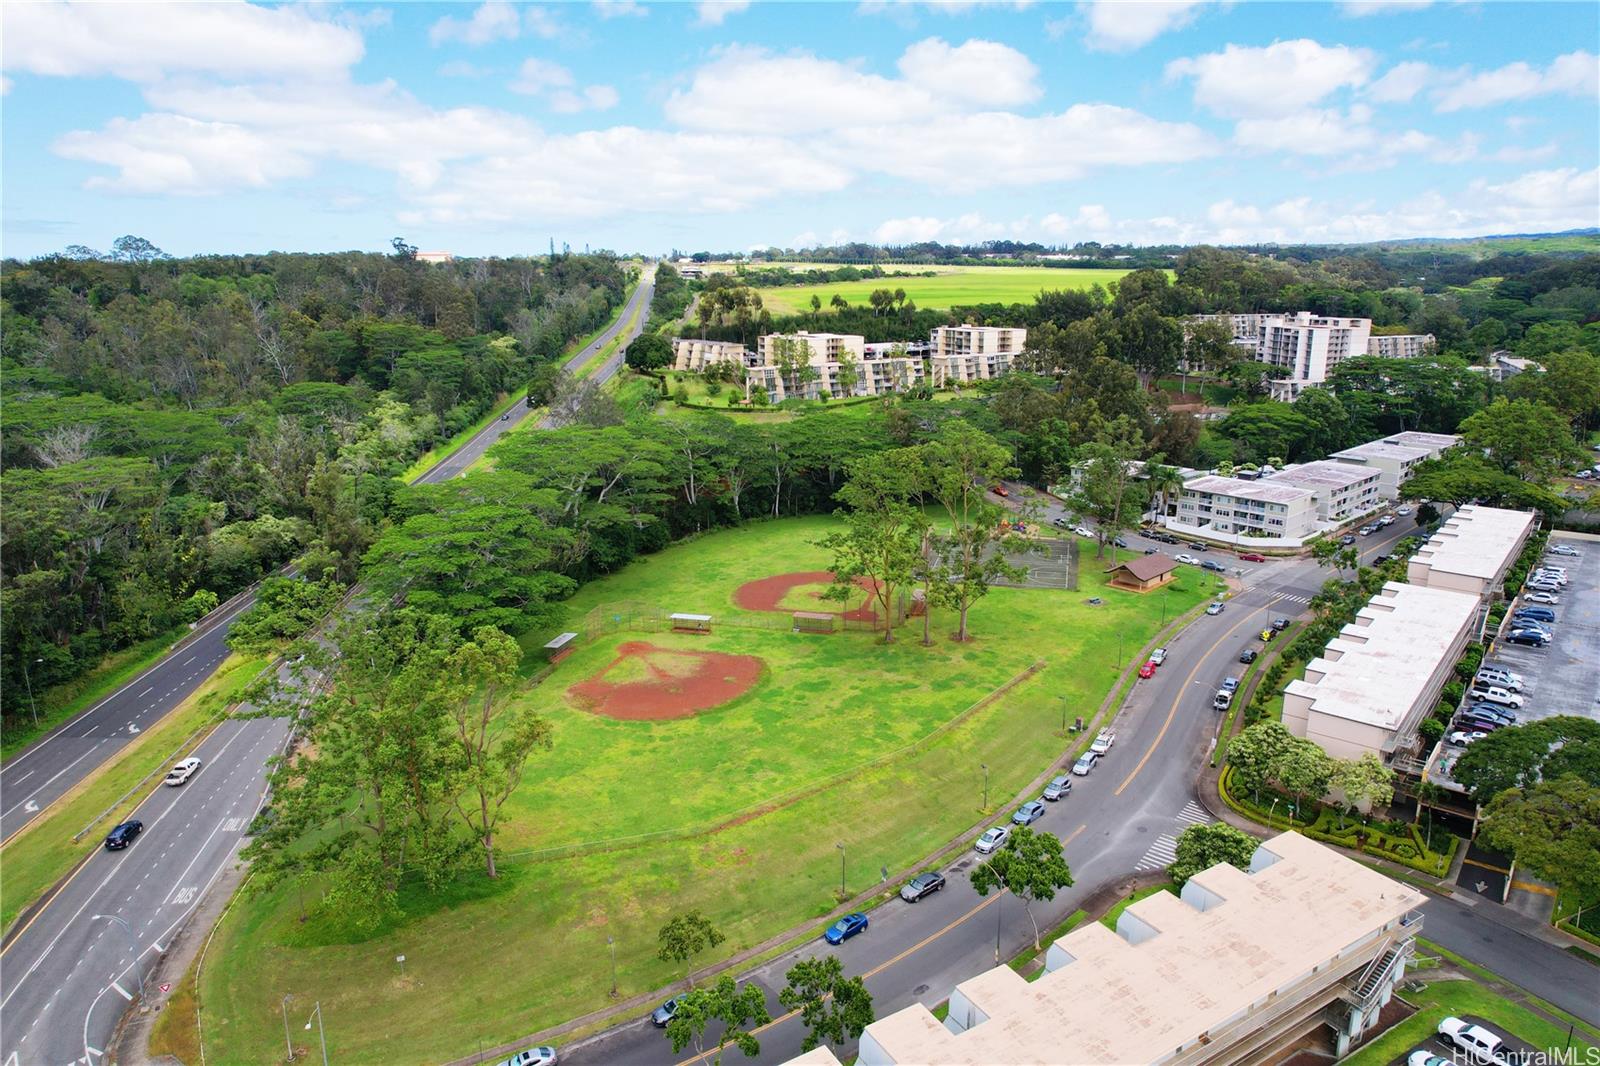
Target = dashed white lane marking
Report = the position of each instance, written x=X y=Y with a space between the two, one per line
x=145 y=693
x=186 y=662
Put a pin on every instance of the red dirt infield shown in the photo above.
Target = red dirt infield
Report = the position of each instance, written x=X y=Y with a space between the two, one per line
x=675 y=684
x=767 y=594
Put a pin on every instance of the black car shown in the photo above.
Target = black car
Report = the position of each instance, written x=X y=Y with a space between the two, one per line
x=123 y=835
x=921 y=885
x=1380 y=559
x=1207 y=564
x=1121 y=542
x=1280 y=624
x=1531 y=637
x=1150 y=551
x=1248 y=655
x=1197 y=546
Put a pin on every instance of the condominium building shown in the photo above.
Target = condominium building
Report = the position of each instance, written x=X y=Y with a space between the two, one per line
x=1236 y=507
x=824 y=347
x=1472 y=551
x=1400 y=345
x=689 y=353
x=973 y=353
x=1392 y=462
x=1383 y=673
x=1239 y=966
x=1339 y=490
x=1437 y=442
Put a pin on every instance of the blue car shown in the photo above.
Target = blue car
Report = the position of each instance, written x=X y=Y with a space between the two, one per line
x=845 y=928
x=1028 y=813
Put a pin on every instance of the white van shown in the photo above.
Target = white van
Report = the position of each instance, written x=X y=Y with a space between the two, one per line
x=1479 y=1044
x=1222 y=700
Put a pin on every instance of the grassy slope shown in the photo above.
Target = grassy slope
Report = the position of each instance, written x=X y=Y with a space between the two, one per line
x=60 y=703
x=971 y=285
x=43 y=852
x=827 y=704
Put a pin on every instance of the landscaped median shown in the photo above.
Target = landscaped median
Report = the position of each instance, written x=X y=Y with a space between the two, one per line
x=44 y=851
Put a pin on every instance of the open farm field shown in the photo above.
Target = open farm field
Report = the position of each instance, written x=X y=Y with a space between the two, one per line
x=952 y=287
x=707 y=771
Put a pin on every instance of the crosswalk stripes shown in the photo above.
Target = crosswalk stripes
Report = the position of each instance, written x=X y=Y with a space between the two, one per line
x=1161 y=853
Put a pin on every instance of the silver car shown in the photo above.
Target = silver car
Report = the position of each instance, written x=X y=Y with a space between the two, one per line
x=1085 y=764
x=993 y=839
x=1058 y=788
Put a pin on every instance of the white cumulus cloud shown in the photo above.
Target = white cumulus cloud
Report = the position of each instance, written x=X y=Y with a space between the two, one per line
x=713 y=12
x=494 y=20
x=1401 y=83
x=981 y=72
x=1279 y=79
x=148 y=42
x=1120 y=26
x=1364 y=8
x=1573 y=74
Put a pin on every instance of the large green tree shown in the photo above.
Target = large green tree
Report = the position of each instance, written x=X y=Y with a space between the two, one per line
x=1552 y=829
x=882 y=538
x=1202 y=846
x=735 y=1008
x=960 y=466
x=684 y=936
x=1030 y=866
x=1525 y=438
x=1521 y=755
x=834 y=1008
x=1106 y=482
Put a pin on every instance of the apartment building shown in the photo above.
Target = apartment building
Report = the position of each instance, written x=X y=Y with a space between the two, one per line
x=1339 y=490
x=1400 y=345
x=1235 y=507
x=961 y=354
x=688 y=353
x=1383 y=673
x=1472 y=551
x=824 y=347
x=1392 y=462
x=1240 y=965
x=840 y=365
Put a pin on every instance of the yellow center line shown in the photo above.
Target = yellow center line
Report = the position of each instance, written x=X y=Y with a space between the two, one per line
x=1173 y=713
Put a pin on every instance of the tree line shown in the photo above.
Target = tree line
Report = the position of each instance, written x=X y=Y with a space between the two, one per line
x=175 y=428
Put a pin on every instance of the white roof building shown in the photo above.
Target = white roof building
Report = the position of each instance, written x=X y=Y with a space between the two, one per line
x=1383 y=673
x=1472 y=551
x=1242 y=964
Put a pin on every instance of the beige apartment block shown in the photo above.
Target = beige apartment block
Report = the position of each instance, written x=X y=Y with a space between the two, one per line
x=1309 y=347
x=1400 y=345
x=1412 y=438
x=1393 y=463
x=1383 y=673
x=689 y=353
x=973 y=353
x=1472 y=551
x=825 y=347
x=1239 y=966
x=1339 y=490
x=1231 y=505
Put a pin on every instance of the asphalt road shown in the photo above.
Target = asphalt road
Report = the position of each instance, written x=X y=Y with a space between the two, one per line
x=69 y=974
x=44 y=772
x=1123 y=818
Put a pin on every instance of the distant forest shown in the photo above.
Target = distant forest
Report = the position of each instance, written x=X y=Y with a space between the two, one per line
x=175 y=428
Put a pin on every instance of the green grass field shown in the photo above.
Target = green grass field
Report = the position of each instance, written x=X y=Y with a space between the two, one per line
x=953 y=287
x=735 y=811
x=1443 y=998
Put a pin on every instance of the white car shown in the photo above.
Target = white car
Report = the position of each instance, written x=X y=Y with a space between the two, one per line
x=1479 y=1043
x=1102 y=742
x=1424 y=1057
x=1158 y=656
x=1503 y=678
x=182 y=771
x=993 y=839
x=1549 y=599
x=1496 y=694
x=1223 y=699
x=1462 y=738
x=534 y=1056
x=1085 y=764
x=1191 y=560
x=1402 y=511
x=1084 y=531
x=1386 y=520
x=1563 y=549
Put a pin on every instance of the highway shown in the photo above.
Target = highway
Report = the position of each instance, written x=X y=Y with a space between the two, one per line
x=70 y=971
x=1122 y=819
x=45 y=771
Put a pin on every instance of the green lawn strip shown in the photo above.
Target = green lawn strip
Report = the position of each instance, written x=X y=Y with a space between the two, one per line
x=1445 y=998
x=44 y=851
x=62 y=702
x=427 y=460
x=827 y=705
x=1111 y=916
x=960 y=287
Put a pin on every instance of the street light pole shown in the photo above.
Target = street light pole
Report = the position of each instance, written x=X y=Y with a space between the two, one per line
x=1063 y=701
x=611 y=942
x=322 y=1035
x=31 y=704
x=999 y=901
x=288 y=1045
x=985 y=785
x=133 y=943
x=840 y=846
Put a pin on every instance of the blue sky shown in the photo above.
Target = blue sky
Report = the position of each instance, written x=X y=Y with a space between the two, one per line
x=492 y=128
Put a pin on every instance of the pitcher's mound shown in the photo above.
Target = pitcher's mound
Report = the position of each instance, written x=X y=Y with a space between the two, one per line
x=649 y=683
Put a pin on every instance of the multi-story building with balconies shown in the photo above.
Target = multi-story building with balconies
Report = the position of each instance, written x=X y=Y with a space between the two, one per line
x=961 y=354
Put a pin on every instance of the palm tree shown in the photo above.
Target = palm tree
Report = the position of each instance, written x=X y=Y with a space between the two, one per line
x=1165 y=482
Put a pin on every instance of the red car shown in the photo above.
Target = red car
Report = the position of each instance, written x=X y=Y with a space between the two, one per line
x=1252 y=557
x=1147 y=670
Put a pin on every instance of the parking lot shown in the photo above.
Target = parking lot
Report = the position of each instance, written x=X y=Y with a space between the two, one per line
x=1564 y=677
